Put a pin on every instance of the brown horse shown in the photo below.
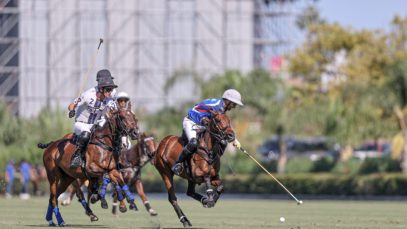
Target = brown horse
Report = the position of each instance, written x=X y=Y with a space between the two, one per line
x=204 y=164
x=100 y=159
x=132 y=161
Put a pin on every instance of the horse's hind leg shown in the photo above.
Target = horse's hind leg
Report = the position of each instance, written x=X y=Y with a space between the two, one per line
x=169 y=185
x=52 y=204
x=140 y=191
x=81 y=199
x=55 y=184
x=191 y=192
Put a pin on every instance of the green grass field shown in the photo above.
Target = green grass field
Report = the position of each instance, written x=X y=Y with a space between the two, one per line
x=229 y=213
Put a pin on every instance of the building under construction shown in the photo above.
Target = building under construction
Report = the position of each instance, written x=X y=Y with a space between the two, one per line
x=48 y=48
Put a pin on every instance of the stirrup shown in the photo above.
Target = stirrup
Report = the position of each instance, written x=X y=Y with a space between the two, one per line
x=177 y=168
x=76 y=161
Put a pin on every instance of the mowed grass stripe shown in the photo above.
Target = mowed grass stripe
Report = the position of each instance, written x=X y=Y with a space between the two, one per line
x=229 y=213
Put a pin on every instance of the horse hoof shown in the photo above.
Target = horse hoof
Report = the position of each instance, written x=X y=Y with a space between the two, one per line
x=103 y=204
x=94 y=198
x=93 y=218
x=152 y=212
x=114 y=210
x=210 y=204
x=133 y=206
x=62 y=224
x=52 y=224
x=123 y=209
x=186 y=223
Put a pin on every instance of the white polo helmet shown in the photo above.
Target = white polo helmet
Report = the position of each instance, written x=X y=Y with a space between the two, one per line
x=122 y=95
x=233 y=95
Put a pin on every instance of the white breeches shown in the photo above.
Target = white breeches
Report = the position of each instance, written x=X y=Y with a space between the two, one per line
x=79 y=127
x=190 y=128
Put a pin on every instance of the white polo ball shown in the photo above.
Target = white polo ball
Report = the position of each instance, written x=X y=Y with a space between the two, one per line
x=282 y=219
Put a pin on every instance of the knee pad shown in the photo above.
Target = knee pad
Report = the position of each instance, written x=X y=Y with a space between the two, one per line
x=192 y=145
x=84 y=137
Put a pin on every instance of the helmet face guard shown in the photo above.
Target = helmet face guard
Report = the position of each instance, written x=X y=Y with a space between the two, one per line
x=123 y=99
x=233 y=96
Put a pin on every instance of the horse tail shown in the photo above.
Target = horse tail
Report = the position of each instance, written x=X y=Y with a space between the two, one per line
x=44 y=146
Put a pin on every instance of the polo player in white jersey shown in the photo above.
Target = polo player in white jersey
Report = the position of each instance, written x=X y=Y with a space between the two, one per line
x=88 y=110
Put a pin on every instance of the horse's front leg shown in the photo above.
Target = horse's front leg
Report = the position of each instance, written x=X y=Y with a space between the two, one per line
x=217 y=183
x=121 y=187
x=191 y=192
x=140 y=191
x=210 y=202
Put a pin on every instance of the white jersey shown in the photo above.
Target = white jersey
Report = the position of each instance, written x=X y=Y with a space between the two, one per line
x=89 y=109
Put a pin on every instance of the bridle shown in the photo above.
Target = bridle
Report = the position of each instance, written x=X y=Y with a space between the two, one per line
x=218 y=133
x=145 y=149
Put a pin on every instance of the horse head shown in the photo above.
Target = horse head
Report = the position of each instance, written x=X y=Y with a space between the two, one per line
x=220 y=128
x=125 y=120
x=148 y=145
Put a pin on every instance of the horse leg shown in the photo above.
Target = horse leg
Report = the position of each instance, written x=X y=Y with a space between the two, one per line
x=169 y=185
x=93 y=195
x=114 y=204
x=140 y=191
x=52 y=203
x=191 y=192
x=102 y=193
x=61 y=186
x=121 y=188
x=217 y=183
x=81 y=199
x=210 y=202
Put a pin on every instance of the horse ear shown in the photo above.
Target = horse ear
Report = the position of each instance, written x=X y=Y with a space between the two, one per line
x=214 y=113
x=108 y=113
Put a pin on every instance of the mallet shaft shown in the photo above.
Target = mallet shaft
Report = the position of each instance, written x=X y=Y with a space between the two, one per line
x=265 y=170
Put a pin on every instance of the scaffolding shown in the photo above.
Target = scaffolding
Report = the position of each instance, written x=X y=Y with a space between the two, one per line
x=144 y=43
x=9 y=52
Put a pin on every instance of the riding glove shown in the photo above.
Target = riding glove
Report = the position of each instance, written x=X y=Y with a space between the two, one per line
x=237 y=144
x=71 y=113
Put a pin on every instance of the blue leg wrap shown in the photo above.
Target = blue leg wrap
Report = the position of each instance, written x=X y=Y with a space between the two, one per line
x=58 y=216
x=84 y=204
x=130 y=196
x=102 y=192
x=119 y=193
x=48 y=217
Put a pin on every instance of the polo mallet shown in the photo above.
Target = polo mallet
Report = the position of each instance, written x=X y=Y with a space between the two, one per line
x=299 y=202
x=90 y=67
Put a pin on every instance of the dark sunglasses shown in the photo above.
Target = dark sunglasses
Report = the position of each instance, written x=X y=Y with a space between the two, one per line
x=122 y=100
x=107 y=89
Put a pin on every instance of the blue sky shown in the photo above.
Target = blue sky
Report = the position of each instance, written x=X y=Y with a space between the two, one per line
x=362 y=14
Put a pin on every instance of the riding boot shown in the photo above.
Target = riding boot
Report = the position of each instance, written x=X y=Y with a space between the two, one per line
x=188 y=150
x=81 y=144
x=177 y=167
